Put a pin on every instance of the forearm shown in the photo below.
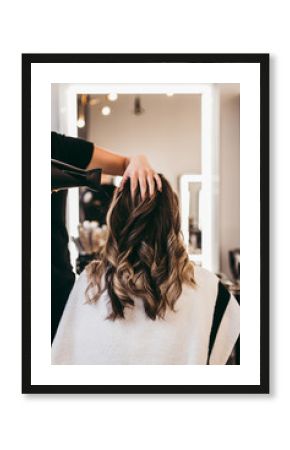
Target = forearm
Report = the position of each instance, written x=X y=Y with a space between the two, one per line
x=109 y=162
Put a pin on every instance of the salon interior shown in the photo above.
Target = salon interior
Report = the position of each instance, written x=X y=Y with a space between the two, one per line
x=190 y=134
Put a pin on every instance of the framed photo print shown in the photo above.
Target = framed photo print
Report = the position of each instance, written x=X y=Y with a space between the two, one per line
x=145 y=223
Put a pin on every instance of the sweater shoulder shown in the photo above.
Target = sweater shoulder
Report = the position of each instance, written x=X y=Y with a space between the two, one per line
x=203 y=276
x=206 y=283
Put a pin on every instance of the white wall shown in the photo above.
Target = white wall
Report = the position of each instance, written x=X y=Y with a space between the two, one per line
x=229 y=175
x=222 y=422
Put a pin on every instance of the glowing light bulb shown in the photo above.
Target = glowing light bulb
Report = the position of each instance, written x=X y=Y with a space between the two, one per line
x=81 y=122
x=106 y=110
x=112 y=97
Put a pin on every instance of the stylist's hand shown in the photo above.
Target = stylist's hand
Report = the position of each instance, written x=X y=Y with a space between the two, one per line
x=140 y=171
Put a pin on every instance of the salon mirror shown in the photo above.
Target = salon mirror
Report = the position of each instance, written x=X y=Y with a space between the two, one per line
x=165 y=127
x=189 y=132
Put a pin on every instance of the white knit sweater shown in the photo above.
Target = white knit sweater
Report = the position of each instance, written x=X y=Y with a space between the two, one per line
x=202 y=331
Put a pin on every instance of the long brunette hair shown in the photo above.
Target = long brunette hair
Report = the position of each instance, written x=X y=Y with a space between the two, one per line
x=144 y=255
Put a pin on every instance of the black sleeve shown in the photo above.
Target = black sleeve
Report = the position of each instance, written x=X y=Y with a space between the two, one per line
x=75 y=151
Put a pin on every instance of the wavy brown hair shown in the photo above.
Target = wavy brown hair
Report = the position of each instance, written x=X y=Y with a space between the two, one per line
x=144 y=255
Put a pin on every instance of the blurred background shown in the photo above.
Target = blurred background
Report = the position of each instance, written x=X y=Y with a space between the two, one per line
x=193 y=138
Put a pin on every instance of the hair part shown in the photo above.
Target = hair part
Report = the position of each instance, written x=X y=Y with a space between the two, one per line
x=144 y=255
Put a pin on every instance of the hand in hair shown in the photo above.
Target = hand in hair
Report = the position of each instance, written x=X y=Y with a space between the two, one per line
x=140 y=172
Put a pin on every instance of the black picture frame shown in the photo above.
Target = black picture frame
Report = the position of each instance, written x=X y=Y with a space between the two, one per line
x=263 y=61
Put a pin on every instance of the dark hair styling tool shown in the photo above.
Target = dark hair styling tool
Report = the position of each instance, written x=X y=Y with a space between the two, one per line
x=64 y=176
